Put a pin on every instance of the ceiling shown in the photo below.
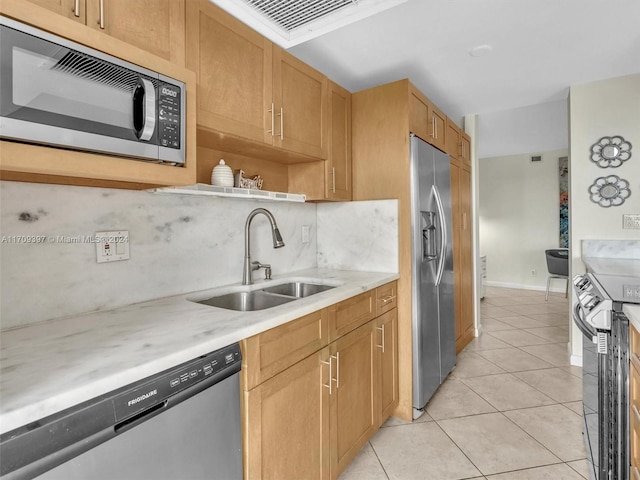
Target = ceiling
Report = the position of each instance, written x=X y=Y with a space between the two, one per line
x=538 y=49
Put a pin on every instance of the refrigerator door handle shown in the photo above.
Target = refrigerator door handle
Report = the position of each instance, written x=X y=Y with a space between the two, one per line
x=443 y=234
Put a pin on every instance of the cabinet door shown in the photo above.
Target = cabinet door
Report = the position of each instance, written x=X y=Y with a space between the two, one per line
x=286 y=434
x=387 y=366
x=452 y=138
x=157 y=26
x=437 y=127
x=73 y=9
x=353 y=402
x=233 y=65
x=419 y=114
x=300 y=98
x=338 y=166
x=457 y=248
x=467 y=253
x=465 y=148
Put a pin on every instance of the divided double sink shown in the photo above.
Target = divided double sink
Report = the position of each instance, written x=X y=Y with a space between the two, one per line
x=268 y=297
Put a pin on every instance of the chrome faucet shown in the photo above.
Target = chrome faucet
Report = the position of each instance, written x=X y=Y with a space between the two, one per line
x=249 y=266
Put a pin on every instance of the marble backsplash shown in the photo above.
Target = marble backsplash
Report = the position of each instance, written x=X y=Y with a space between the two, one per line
x=611 y=249
x=358 y=236
x=178 y=244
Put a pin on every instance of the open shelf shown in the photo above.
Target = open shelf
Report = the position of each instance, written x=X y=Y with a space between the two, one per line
x=203 y=189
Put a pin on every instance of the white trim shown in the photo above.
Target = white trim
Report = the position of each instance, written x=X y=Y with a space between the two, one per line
x=576 y=360
x=540 y=288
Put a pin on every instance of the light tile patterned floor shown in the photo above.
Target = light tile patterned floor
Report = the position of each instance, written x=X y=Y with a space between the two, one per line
x=510 y=410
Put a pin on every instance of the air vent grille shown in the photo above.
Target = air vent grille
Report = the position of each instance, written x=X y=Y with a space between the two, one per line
x=292 y=14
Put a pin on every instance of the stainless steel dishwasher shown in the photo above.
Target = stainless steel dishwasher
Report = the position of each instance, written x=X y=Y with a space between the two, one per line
x=183 y=423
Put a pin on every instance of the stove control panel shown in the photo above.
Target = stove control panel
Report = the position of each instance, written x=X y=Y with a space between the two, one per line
x=594 y=302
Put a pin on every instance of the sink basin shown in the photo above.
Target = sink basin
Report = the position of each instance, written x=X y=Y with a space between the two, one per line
x=246 y=301
x=298 y=289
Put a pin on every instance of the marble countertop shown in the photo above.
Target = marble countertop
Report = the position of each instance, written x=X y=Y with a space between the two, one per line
x=54 y=365
x=613 y=266
x=633 y=314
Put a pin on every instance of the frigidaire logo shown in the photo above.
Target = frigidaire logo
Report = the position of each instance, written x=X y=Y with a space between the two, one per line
x=142 y=397
x=168 y=91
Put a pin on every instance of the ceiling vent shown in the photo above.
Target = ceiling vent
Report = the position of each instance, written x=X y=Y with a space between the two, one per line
x=291 y=22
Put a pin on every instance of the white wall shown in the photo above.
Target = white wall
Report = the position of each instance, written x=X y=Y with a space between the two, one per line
x=605 y=108
x=535 y=128
x=519 y=217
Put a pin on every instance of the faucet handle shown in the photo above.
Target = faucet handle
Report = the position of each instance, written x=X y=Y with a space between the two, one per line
x=266 y=266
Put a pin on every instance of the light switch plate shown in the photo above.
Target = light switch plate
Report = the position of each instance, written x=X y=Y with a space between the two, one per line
x=630 y=221
x=112 y=246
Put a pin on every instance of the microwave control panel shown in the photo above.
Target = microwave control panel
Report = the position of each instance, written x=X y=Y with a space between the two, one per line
x=169 y=107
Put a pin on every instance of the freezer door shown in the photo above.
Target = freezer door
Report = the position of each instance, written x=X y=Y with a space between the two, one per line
x=426 y=247
x=446 y=309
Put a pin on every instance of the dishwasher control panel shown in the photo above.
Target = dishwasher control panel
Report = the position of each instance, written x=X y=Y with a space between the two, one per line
x=154 y=392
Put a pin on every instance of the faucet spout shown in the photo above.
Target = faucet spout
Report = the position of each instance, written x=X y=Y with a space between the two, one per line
x=275 y=233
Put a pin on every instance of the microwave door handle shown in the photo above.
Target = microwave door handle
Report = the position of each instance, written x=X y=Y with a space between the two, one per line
x=144 y=109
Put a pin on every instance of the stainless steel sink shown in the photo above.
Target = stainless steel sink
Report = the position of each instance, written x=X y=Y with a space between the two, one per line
x=246 y=301
x=269 y=297
x=298 y=289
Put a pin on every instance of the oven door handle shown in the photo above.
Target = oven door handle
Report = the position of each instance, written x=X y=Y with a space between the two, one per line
x=584 y=327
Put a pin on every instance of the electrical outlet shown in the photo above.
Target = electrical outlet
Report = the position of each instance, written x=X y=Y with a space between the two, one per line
x=305 y=233
x=533 y=272
x=631 y=221
x=112 y=246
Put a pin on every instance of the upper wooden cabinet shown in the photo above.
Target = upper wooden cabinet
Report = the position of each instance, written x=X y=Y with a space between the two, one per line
x=299 y=120
x=426 y=120
x=465 y=148
x=253 y=90
x=156 y=26
x=330 y=179
x=338 y=166
x=72 y=9
x=453 y=137
x=233 y=64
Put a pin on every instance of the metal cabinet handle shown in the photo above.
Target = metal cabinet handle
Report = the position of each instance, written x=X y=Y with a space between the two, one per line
x=76 y=8
x=330 y=363
x=102 y=14
x=433 y=126
x=337 y=357
x=381 y=328
x=387 y=299
x=464 y=220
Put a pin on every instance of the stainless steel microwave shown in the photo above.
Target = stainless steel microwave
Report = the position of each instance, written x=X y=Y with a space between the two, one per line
x=56 y=92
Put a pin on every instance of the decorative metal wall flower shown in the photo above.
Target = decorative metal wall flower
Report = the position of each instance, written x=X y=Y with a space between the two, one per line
x=610 y=152
x=609 y=191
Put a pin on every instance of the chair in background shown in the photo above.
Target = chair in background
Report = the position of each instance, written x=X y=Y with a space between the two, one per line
x=558 y=267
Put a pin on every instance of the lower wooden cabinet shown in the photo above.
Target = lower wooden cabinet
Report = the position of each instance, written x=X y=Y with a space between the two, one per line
x=387 y=351
x=353 y=400
x=286 y=429
x=310 y=419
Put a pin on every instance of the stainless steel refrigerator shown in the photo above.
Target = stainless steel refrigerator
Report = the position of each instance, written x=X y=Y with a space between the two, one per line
x=434 y=343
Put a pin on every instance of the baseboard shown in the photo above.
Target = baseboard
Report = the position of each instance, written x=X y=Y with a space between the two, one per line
x=542 y=288
x=576 y=360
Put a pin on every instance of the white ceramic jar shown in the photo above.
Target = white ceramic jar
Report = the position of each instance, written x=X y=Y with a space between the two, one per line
x=222 y=175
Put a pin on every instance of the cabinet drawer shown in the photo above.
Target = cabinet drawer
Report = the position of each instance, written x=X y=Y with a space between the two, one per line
x=350 y=314
x=386 y=298
x=269 y=353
